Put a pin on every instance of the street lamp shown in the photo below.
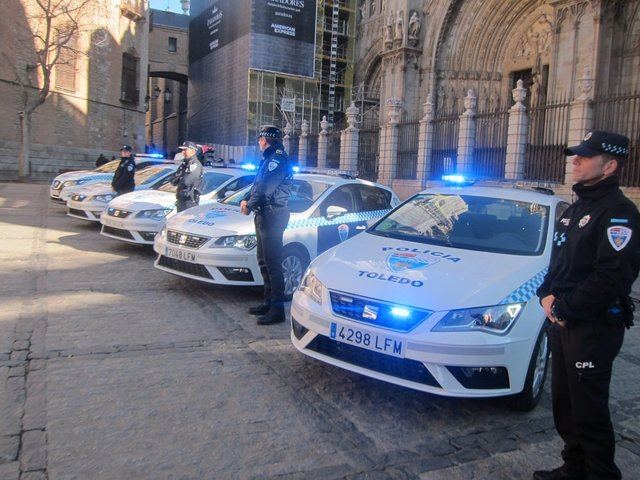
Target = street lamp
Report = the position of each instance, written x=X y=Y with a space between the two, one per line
x=167 y=95
x=146 y=103
x=156 y=92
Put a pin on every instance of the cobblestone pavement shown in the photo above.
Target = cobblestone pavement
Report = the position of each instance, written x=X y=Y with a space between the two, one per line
x=111 y=369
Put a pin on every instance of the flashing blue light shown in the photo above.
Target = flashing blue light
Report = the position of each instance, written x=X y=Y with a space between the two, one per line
x=400 y=312
x=156 y=155
x=457 y=179
x=249 y=166
x=296 y=169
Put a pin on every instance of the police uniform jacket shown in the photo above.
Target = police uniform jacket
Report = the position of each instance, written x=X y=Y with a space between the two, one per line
x=123 y=178
x=188 y=177
x=595 y=256
x=272 y=185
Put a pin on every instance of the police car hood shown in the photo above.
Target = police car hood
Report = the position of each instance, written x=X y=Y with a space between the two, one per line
x=77 y=174
x=93 y=189
x=144 y=200
x=214 y=220
x=428 y=276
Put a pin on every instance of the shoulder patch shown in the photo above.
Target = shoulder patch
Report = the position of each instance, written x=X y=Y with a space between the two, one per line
x=619 y=237
x=273 y=165
x=130 y=167
x=192 y=167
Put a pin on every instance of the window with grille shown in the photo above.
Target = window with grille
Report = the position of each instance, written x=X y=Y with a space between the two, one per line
x=129 y=93
x=66 y=66
x=173 y=44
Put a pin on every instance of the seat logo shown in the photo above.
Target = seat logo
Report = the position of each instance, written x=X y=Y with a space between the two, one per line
x=183 y=239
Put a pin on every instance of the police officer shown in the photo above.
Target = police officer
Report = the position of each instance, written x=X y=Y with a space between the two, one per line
x=124 y=178
x=188 y=177
x=594 y=261
x=268 y=199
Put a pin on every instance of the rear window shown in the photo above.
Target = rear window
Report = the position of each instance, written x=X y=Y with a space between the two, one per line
x=469 y=222
x=150 y=175
x=303 y=195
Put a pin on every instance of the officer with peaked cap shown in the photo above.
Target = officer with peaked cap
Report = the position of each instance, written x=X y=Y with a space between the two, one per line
x=124 y=177
x=268 y=199
x=188 y=177
x=585 y=295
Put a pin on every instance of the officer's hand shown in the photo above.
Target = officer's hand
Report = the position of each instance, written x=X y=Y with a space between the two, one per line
x=244 y=209
x=547 y=303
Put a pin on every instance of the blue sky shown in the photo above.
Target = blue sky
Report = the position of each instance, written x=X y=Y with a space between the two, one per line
x=174 y=5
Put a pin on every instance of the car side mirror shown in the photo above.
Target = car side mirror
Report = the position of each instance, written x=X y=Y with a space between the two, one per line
x=335 y=211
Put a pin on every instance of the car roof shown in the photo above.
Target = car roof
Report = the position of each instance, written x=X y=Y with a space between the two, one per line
x=509 y=192
x=336 y=180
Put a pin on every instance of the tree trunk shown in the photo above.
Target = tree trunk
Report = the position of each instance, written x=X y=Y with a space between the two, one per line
x=25 y=144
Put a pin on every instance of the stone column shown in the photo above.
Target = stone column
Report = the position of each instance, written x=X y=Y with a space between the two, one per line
x=323 y=142
x=286 y=141
x=580 y=116
x=388 y=149
x=349 y=141
x=425 y=143
x=467 y=134
x=517 y=135
x=303 y=148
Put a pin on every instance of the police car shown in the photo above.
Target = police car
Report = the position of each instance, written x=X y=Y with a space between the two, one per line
x=439 y=295
x=136 y=217
x=60 y=188
x=88 y=202
x=216 y=243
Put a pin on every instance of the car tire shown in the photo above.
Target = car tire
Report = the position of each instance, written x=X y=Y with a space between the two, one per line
x=536 y=375
x=295 y=261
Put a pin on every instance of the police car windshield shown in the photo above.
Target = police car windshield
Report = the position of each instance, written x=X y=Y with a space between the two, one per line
x=150 y=174
x=108 y=167
x=486 y=224
x=304 y=194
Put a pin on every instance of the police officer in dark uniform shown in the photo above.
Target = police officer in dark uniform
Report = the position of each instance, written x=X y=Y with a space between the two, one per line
x=585 y=294
x=268 y=199
x=188 y=177
x=124 y=178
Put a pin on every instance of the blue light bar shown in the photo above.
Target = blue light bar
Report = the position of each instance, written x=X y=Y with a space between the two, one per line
x=400 y=312
x=249 y=166
x=156 y=155
x=457 y=179
x=296 y=169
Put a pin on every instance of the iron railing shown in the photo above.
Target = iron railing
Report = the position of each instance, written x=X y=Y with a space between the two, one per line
x=490 y=144
x=368 y=142
x=333 y=149
x=548 y=130
x=408 y=136
x=621 y=114
x=445 y=145
x=312 y=151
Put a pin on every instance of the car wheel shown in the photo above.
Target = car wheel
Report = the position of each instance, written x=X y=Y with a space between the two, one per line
x=536 y=375
x=294 y=262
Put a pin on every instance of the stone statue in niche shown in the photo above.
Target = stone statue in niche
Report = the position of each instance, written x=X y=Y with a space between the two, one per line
x=414 y=25
x=399 y=32
x=388 y=31
x=363 y=10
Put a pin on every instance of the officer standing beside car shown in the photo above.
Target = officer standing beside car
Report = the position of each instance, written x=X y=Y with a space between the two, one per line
x=268 y=199
x=124 y=177
x=585 y=295
x=188 y=177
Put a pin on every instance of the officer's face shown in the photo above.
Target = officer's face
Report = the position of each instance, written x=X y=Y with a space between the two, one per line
x=262 y=143
x=189 y=152
x=125 y=153
x=590 y=170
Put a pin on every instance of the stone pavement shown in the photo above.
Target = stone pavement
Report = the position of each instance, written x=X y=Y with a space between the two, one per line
x=110 y=369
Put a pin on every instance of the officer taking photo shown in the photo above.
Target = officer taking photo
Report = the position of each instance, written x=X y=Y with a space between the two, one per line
x=268 y=199
x=188 y=177
x=585 y=296
x=124 y=177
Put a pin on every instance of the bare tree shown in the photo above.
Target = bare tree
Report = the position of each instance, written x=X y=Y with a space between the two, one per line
x=52 y=29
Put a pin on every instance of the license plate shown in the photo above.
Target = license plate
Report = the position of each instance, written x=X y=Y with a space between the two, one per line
x=369 y=340
x=114 y=223
x=179 y=254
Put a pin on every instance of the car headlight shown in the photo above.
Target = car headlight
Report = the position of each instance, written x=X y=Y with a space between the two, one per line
x=104 y=198
x=163 y=232
x=312 y=286
x=157 y=214
x=69 y=183
x=497 y=319
x=245 y=242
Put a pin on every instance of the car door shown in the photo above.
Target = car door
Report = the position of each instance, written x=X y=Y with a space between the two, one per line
x=235 y=185
x=340 y=217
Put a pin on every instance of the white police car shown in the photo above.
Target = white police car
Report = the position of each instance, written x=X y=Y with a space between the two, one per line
x=216 y=243
x=439 y=295
x=62 y=186
x=88 y=202
x=136 y=217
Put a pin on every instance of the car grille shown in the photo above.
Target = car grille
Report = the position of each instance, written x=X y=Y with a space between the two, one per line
x=373 y=312
x=117 y=232
x=116 y=212
x=185 y=239
x=184 y=267
x=78 y=213
x=406 y=369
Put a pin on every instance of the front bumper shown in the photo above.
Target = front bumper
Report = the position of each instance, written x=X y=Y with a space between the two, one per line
x=89 y=211
x=130 y=229
x=455 y=364
x=221 y=266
